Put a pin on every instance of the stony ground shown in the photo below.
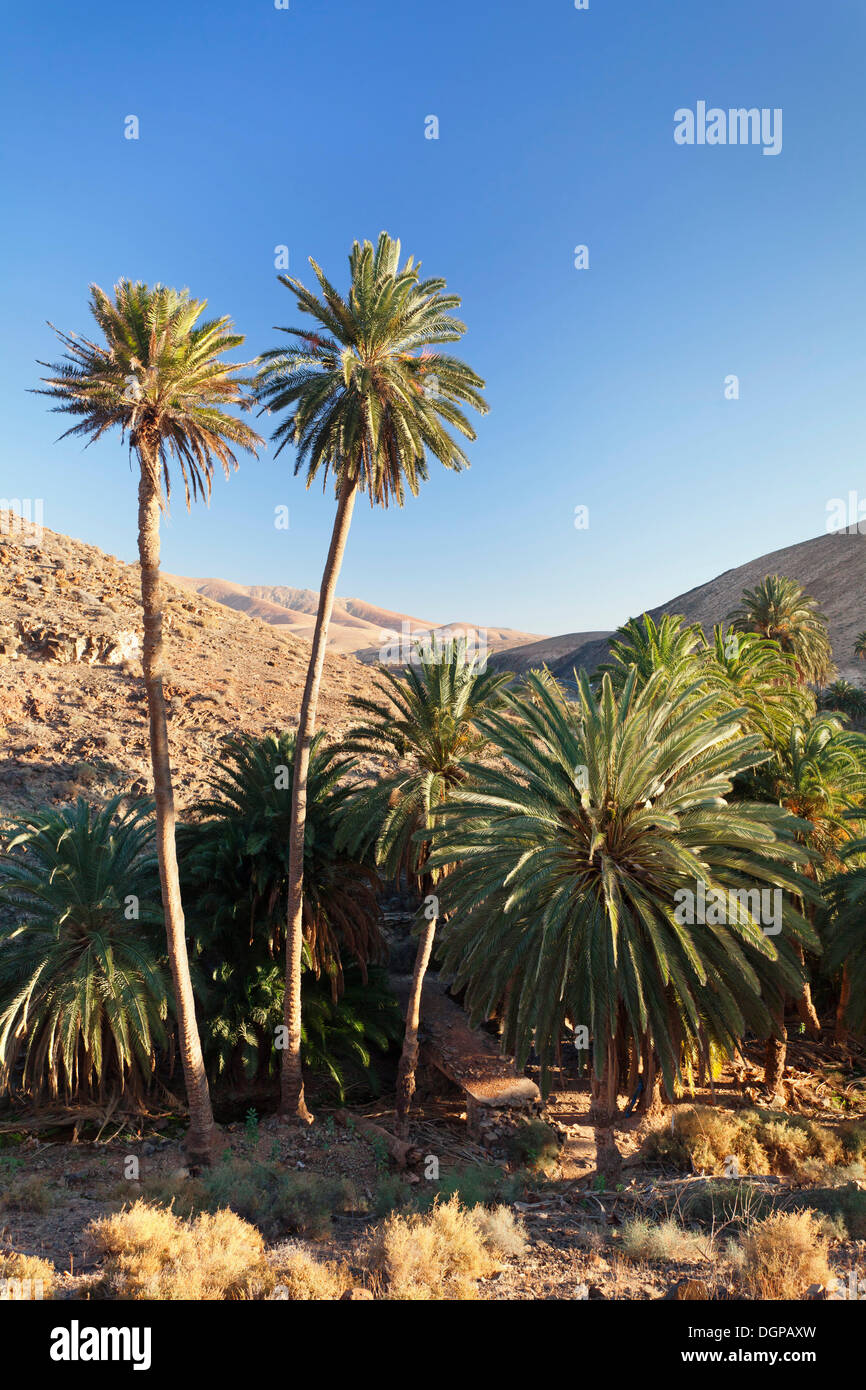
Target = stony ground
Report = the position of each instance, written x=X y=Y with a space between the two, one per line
x=573 y=1223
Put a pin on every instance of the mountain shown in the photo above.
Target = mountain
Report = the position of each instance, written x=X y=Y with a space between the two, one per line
x=832 y=568
x=357 y=627
x=72 y=710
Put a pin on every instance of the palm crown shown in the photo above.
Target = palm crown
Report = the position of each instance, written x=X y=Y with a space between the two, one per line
x=159 y=377
x=236 y=858
x=428 y=724
x=779 y=608
x=568 y=862
x=82 y=994
x=365 y=395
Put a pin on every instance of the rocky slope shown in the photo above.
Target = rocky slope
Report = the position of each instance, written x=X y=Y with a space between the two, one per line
x=72 y=708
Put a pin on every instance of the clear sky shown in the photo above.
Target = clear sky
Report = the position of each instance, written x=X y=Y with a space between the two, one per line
x=305 y=127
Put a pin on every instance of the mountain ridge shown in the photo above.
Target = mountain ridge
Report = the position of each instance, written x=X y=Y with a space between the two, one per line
x=831 y=567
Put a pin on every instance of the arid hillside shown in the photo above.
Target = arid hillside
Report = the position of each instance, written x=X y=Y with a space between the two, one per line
x=72 y=709
x=357 y=627
x=832 y=568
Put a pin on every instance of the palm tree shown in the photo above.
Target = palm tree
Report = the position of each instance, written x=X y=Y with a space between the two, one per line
x=570 y=897
x=159 y=377
x=842 y=695
x=365 y=399
x=670 y=645
x=82 y=994
x=818 y=774
x=846 y=939
x=235 y=858
x=428 y=724
x=753 y=673
x=780 y=609
x=860 y=646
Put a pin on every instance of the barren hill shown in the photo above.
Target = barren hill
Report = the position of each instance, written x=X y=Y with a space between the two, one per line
x=357 y=627
x=72 y=709
x=832 y=568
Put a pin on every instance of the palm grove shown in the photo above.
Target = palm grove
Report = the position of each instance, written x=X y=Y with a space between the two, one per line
x=550 y=830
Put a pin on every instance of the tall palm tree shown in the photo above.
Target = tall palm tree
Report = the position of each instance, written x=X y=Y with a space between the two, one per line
x=82 y=991
x=860 y=646
x=365 y=399
x=780 y=609
x=159 y=376
x=565 y=896
x=428 y=724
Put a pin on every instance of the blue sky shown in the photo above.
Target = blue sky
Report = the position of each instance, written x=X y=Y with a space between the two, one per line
x=305 y=127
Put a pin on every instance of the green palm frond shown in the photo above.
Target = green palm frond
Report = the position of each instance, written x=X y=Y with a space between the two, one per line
x=430 y=723
x=780 y=609
x=158 y=373
x=571 y=861
x=83 y=998
x=235 y=860
x=365 y=394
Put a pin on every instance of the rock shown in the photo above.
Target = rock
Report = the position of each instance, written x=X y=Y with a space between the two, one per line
x=179 y=1174
x=816 y=1292
x=351 y=1294
x=100 y=645
x=595 y=1293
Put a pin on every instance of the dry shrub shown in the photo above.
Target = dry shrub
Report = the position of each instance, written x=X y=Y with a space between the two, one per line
x=705 y=1138
x=500 y=1230
x=783 y=1254
x=645 y=1240
x=30 y=1277
x=33 y=1193
x=760 y=1141
x=798 y=1145
x=301 y=1277
x=440 y=1254
x=150 y=1253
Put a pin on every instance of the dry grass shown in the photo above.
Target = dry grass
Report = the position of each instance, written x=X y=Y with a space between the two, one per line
x=782 y=1255
x=28 y=1276
x=441 y=1254
x=150 y=1253
x=500 y=1231
x=666 y=1240
x=300 y=1277
x=707 y=1138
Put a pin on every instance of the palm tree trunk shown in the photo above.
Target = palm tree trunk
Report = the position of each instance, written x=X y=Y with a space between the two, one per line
x=841 y=1031
x=409 y=1055
x=603 y=1113
x=777 y=1048
x=201 y=1137
x=805 y=1007
x=292 y=1103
